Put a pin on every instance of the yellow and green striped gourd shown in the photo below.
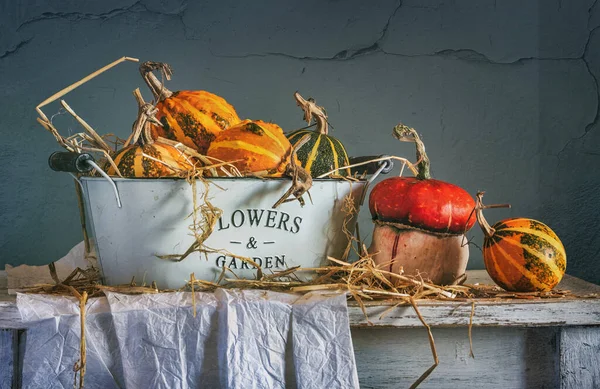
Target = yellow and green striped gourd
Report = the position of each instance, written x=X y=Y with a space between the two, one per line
x=521 y=254
x=322 y=153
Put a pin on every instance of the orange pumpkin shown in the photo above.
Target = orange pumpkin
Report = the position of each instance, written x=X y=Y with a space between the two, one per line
x=253 y=146
x=520 y=254
x=147 y=158
x=193 y=118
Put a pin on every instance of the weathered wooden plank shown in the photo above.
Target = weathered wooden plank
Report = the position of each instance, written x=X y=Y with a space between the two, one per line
x=515 y=314
x=9 y=316
x=504 y=358
x=496 y=312
x=8 y=354
x=4 y=296
x=574 y=284
x=580 y=357
x=552 y=313
x=490 y=312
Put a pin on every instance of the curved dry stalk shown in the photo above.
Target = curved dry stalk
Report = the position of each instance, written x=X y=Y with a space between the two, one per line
x=233 y=168
x=312 y=110
x=174 y=168
x=75 y=85
x=203 y=229
x=436 y=361
x=183 y=149
x=59 y=138
x=72 y=144
x=80 y=365
x=301 y=179
x=406 y=279
x=470 y=329
x=94 y=135
x=158 y=89
x=192 y=282
x=206 y=160
x=405 y=161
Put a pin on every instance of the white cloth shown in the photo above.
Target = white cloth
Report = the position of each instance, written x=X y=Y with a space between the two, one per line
x=238 y=339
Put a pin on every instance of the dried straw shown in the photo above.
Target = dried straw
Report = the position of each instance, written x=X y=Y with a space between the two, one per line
x=81 y=364
x=470 y=329
x=431 y=344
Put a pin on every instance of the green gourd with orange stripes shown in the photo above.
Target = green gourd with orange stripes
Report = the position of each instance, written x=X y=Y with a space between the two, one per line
x=322 y=153
x=521 y=254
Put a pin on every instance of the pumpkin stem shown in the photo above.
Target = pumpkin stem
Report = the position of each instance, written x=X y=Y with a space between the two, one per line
x=312 y=110
x=159 y=91
x=408 y=134
x=141 y=128
x=479 y=207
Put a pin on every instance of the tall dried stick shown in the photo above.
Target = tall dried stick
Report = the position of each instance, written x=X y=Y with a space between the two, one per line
x=68 y=89
x=97 y=138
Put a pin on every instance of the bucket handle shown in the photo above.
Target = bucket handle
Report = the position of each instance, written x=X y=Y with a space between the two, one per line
x=373 y=165
x=70 y=162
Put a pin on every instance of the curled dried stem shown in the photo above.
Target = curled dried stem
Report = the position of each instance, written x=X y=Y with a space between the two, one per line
x=157 y=87
x=301 y=179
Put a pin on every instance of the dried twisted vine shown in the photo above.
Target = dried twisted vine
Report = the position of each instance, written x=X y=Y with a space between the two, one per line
x=157 y=87
x=311 y=109
x=146 y=113
x=301 y=179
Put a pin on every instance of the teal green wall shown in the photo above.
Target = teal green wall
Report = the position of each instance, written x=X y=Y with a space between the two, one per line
x=504 y=93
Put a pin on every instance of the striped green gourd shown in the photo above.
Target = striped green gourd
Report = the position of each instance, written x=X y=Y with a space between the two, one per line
x=322 y=153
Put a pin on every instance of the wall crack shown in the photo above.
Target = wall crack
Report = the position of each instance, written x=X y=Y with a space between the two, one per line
x=467 y=55
x=594 y=122
x=136 y=7
x=591 y=13
x=373 y=48
x=16 y=48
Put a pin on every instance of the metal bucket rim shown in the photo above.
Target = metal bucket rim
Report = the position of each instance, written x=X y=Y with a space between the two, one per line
x=119 y=179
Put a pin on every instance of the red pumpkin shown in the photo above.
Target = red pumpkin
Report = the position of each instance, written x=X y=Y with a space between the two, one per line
x=422 y=202
x=420 y=222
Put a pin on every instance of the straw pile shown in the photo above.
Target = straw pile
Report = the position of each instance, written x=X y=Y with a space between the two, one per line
x=361 y=279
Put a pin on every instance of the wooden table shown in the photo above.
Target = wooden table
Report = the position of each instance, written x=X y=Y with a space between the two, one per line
x=543 y=343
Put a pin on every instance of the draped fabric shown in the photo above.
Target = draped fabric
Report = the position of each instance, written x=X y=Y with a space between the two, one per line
x=238 y=339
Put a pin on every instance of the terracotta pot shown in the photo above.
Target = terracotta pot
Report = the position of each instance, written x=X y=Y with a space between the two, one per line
x=440 y=259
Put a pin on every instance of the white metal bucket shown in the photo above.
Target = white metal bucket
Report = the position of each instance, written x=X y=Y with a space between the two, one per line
x=154 y=221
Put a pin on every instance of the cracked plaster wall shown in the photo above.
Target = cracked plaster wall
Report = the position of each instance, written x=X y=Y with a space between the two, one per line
x=504 y=93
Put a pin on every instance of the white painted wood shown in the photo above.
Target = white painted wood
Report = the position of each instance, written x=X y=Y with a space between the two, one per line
x=515 y=314
x=489 y=312
x=7 y=356
x=4 y=296
x=9 y=316
x=580 y=358
x=515 y=358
